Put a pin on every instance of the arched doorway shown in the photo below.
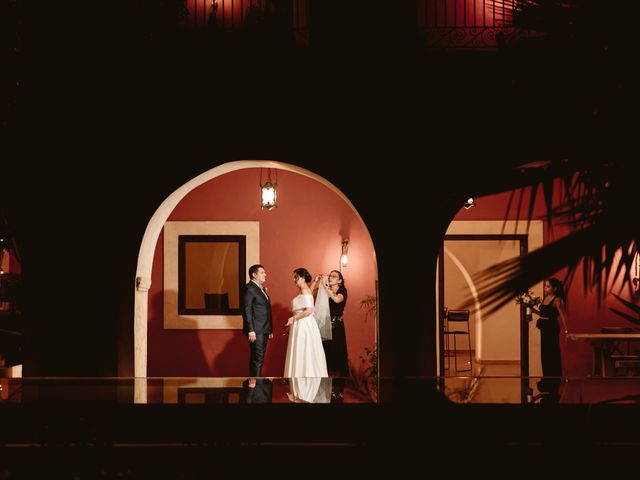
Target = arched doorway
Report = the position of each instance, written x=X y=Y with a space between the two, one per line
x=156 y=224
x=504 y=341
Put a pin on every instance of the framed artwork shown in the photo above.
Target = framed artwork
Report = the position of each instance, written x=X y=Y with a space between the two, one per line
x=205 y=267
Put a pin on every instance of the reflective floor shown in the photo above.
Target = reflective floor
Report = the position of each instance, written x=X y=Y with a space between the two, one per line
x=501 y=383
x=173 y=390
x=230 y=427
x=477 y=389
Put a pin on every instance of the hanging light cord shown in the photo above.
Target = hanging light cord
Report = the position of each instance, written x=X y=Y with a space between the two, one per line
x=269 y=176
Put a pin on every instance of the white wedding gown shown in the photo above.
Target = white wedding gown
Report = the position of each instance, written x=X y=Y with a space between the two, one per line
x=311 y=390
x=305 y=355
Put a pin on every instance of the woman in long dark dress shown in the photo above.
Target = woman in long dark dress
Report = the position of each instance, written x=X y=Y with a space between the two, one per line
x=552 y=319
x=336 y=348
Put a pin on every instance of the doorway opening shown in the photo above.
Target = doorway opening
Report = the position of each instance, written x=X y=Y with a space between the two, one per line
x=218 y=350
x=500 y=348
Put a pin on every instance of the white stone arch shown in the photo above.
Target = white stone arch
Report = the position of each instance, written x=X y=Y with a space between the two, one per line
x=152 y=232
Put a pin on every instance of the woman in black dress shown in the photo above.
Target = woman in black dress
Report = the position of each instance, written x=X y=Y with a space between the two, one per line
x=552 y=319
x=336 y=348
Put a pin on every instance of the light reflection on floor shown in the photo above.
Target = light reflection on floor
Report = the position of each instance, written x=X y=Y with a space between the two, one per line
x=502 y=384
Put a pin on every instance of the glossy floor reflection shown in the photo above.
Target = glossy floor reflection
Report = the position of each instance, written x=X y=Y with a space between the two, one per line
x=541 y=391
x=485 y=389
x=500 y=383
x=474 y=386
x=174 y=390
x=200 y=427
x=259 y=390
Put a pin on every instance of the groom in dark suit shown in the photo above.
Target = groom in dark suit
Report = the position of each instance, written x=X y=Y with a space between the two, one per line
x=256 y=318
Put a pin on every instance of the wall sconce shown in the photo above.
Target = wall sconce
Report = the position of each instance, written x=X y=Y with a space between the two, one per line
x=635 y=281
x=469 y=203
x=344 y=258
x=268 y=195
x=2 y=246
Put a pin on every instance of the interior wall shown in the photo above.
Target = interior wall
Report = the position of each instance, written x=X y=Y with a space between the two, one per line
x=585 y=311
x=534 y=232
x=497 y=336
x=305 y=230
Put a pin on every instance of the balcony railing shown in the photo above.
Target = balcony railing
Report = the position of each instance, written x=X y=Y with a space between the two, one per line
x=258 y=15
x=465 y=24
x=442 y=24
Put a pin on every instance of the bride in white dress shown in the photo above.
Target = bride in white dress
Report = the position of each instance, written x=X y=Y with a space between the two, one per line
x=305 y=355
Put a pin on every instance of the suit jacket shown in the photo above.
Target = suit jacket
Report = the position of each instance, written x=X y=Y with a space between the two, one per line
x=256 y=310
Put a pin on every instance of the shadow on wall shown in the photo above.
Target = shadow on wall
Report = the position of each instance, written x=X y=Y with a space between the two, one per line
x=170 y=363
x=233 y=359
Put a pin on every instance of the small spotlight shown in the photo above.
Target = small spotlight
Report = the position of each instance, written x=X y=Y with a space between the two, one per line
x=469 y=203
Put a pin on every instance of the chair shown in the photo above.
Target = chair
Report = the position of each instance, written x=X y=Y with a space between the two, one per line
x=216 y=302
x=456 y=322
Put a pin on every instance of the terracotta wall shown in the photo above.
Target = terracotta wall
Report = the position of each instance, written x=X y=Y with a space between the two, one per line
x=305 y=230
x=585 y=312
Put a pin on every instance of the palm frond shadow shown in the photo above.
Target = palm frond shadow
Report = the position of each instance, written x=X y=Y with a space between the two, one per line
x=574 y=66
x=500 y=283
x=631 y=306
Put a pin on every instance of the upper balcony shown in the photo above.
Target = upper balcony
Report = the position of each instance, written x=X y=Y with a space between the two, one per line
x=465 y=24
x=438 y=24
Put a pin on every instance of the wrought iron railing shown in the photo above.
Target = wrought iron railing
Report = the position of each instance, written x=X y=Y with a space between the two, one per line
x=466 y=24
x=290 y=15
x=445 y=24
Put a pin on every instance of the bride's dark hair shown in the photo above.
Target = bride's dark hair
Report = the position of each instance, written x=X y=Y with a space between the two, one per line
x=303 y=273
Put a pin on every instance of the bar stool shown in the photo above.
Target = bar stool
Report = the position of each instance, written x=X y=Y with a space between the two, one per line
x=456 y=322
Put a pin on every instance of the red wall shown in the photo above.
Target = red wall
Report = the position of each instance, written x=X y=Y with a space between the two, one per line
x=585 y=313
x=306 y=230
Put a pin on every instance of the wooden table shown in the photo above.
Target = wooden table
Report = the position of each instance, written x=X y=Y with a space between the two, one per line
x=603 y=345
